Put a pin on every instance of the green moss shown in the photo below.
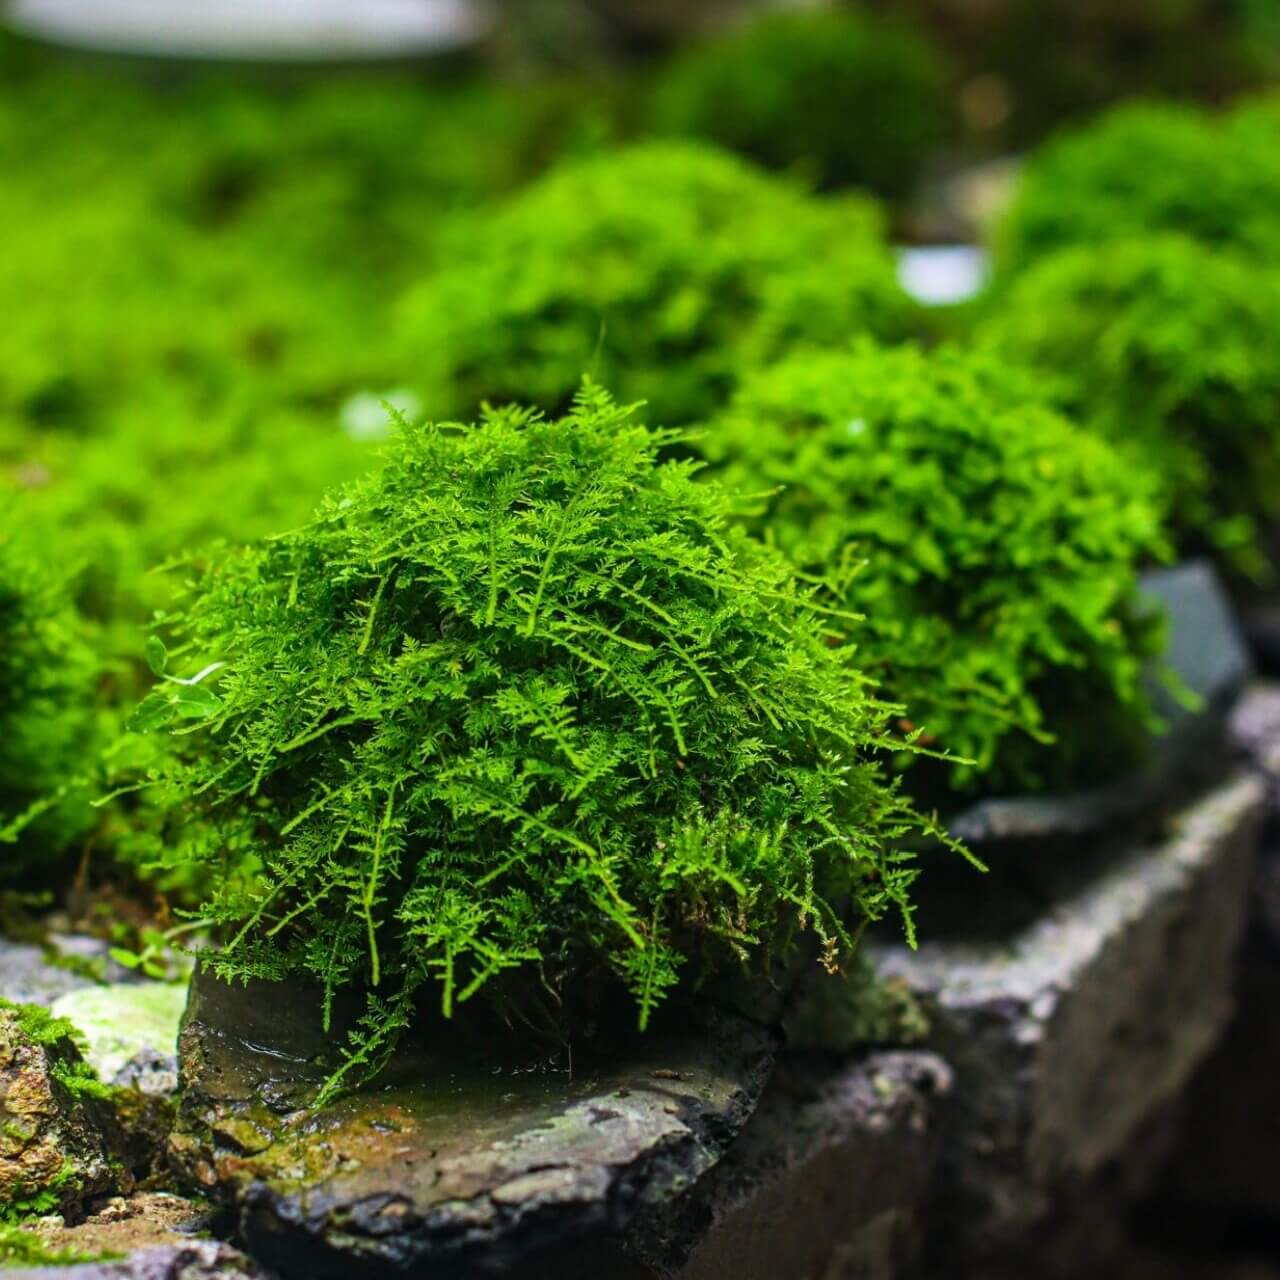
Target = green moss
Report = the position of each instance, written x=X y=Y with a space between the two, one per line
x=844 y=98
x=518 y=712
x=1169 y=350
x=662 y=269
x=48 y=725
x=992 y=548
x=23 y=1247
x=1144 y=170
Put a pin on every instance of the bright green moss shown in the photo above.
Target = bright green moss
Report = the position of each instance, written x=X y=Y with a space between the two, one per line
x=48 y=726
x=992 y=548
x=844 y=98
x=1145 y=170
x=521 y=710
x=1171 y=351
x=23 y=1248
x=662 y=269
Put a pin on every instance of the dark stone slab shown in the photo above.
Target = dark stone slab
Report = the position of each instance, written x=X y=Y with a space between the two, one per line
x=440 y=1167
x=1209 y=656
x=828 y=1179
x=1067 y=1037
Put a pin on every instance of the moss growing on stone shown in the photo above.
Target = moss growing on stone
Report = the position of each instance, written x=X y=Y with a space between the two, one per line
x=22 y=1247
x=48 y=724
x=844 y=98
x=992 y=548
x=1145 y=170
x=522 y=710
x=662 y=270
x=1171 y=351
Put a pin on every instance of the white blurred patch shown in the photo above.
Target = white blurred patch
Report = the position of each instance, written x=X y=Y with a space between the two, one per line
x=276 y=30
x=938 y=275
x=365 y=417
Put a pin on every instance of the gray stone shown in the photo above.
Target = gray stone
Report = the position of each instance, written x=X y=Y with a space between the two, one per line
x=826 y=1182
x=149 y=1071
x=441 y=1165
x=1069 y=1036
x=27 y=976
x=1208 y=655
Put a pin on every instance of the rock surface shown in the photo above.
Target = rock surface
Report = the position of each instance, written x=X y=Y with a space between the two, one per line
x=437 y=1166
x=52 y=1143
x=1070 y=1036
x=827 y=1180
x=188 y=1260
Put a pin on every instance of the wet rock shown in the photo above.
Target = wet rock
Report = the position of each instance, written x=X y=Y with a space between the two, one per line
x=1070 y=1035
x=54 y=1148
x=439 y=1164
x=122 y=1021
x=829 y=1177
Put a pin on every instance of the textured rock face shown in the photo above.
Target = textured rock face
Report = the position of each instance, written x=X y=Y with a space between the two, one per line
x=1224 y=1170
x=437 y=1166
x=827 y=1181
x=51 y=1142
x=1069 y=1037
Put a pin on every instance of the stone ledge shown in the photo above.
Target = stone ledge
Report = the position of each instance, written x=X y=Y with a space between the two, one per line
x=1068 y=1037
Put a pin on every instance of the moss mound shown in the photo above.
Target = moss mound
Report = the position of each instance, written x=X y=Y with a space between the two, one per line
x=844 y=98
x=1143 y=170
x=1169 y=349
x=992 y=548
x=520 y=711
x=662 y=269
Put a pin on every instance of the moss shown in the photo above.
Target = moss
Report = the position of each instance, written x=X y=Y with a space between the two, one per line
x=845 y=98
x=1168 y=349
x=23 y=1247
x=1145 y=170
x=49 y=731
x=992 y=548
x=662 y=269
x=521 y=712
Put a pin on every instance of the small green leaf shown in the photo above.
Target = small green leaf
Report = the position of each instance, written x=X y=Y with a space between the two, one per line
x=125 y=957
x=157 y=655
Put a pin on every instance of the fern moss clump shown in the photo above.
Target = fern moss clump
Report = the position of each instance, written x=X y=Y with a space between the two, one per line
x=845 y=98
x=48 y=725
x=992 y=549
x=1170 y=350
x=521 y=710
x=662 y=269
x=1146 y=170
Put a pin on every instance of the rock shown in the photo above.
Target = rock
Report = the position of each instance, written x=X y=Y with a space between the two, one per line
x=120 y=1022
x=189 y=1260
x=54 y=1149
x=149 y=1071
x=27 y=976
x=829 y=1177
x=439 y=1164
x=1069 y=1036
x=1223 y=1173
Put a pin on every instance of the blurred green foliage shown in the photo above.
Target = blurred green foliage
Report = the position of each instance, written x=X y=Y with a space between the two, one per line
x=842 y=99
x=992 y=549
x=1171 y=350
x=662 y=269
x=49 y=724
x=1146 y=169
